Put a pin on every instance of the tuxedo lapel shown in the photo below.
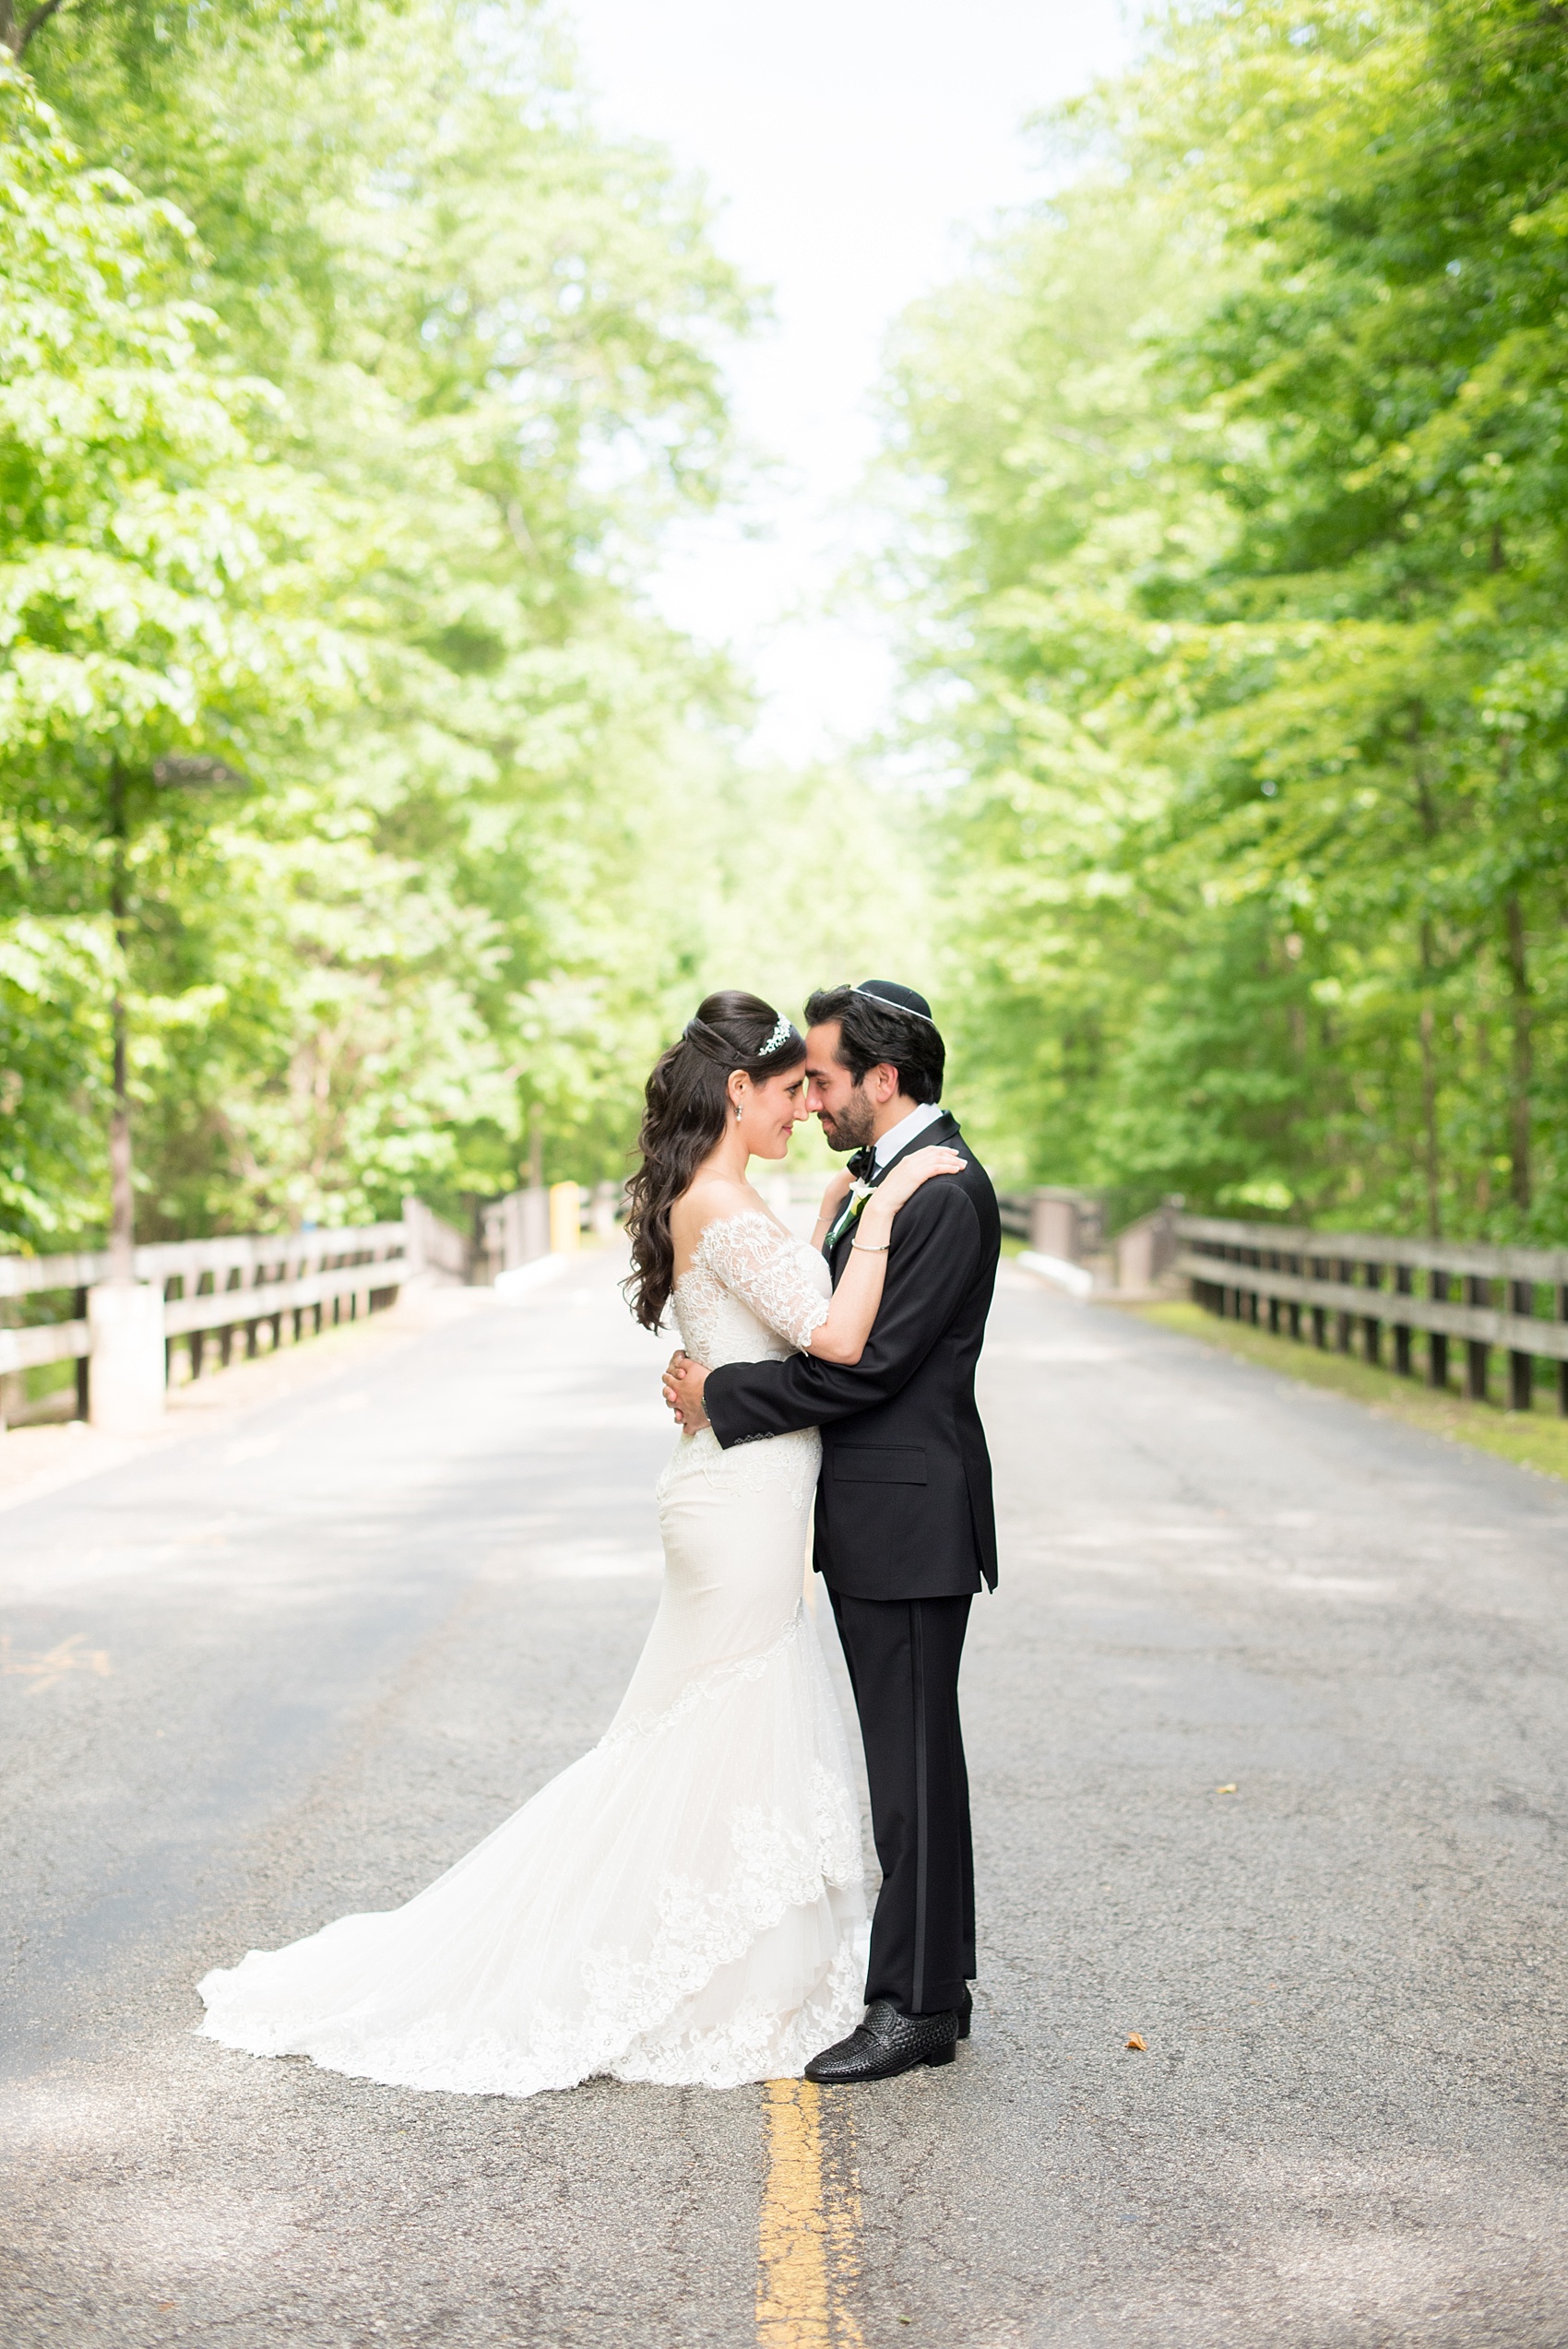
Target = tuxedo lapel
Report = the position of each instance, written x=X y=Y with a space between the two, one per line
x=942 y=1128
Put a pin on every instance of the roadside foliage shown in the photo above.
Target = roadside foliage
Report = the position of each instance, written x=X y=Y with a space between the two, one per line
x=347 y=377
x=1237 y=587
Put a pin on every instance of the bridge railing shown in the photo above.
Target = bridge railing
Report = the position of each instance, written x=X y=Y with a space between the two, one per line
x=542 y=1220
x=1067 y=1228
x=211 y=1288
x=1370 y=1294
x=206 y=1294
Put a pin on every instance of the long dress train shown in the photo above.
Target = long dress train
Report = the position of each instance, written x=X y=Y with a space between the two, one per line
x=685 y=1903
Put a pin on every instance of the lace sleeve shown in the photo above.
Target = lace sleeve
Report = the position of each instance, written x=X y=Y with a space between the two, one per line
x=761 y=1266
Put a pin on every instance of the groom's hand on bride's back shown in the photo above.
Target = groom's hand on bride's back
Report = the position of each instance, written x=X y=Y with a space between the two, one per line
x=683 y=1383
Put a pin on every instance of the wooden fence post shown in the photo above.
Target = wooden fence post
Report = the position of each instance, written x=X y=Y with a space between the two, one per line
x=1372 y=1328
x=84 y=1389
x=1477 y=1292
x=1402 y=1329
x=1437 y=1340
x=1521 y=1367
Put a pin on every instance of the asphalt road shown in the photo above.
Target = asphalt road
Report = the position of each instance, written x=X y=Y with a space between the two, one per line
x=1267 y=1735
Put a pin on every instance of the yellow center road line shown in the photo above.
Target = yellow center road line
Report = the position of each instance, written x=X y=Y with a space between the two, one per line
x=809 y=2226
x=44 y=1670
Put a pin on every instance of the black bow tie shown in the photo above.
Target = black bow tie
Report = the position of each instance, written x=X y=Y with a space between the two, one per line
x=862 y=1166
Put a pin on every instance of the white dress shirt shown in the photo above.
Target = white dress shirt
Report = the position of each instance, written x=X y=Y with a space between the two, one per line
x=899 y=1135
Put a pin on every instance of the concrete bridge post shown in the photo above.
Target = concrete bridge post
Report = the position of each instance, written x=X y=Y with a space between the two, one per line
x=127 y=1360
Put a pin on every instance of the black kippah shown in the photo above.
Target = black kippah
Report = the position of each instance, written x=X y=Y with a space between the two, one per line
x=895 y=998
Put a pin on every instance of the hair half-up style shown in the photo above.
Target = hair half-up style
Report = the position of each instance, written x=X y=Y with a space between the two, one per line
x=688 y=1100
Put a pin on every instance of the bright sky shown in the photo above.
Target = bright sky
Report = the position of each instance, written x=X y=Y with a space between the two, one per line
x=851 y=146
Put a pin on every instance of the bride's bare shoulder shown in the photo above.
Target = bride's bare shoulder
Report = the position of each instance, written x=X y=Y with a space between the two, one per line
x=711 y=1199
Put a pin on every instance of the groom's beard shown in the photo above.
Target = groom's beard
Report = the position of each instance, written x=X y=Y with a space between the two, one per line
x=850 y=1127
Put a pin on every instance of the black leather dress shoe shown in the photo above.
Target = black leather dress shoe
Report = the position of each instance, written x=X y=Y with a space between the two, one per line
x=887 y=2042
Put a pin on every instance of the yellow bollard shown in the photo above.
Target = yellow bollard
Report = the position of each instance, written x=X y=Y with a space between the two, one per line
x=563 y=1211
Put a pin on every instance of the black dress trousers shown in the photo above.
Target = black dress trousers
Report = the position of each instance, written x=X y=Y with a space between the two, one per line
x=903 y=1657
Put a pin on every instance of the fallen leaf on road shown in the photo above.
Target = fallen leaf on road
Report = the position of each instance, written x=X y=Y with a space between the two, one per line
x=1135 y=2042
x=1225 y=1790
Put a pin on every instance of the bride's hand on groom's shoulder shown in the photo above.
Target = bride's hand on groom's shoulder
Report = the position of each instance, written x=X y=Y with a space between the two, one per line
x=918 y=1167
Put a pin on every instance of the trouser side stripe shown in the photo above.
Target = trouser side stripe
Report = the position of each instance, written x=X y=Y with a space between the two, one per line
x=916 y=1675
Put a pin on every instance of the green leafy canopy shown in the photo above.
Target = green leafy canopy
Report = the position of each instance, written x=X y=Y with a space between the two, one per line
x=1242 y=473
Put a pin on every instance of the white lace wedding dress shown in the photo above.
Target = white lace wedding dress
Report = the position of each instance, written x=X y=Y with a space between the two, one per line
x=685 y=1903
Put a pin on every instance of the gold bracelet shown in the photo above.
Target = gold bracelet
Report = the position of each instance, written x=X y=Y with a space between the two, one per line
x=868 y=1248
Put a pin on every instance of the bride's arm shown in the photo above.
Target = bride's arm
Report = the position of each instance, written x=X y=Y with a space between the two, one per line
x=841 y=1338
x=761 y=1264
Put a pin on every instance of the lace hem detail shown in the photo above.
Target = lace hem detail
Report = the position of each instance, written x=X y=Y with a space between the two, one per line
x=754 y=2044
x=636 y=2023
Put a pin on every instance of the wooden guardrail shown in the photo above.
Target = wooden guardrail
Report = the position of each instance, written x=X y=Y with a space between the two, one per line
x=1068 y=1227
x=1334 y=1288
x=1056 y=1221
x=211 y=1288
x=545 y=1218
x=32 y=1346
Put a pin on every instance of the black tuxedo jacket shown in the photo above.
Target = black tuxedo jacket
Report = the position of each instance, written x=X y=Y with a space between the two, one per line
x=904 y=1506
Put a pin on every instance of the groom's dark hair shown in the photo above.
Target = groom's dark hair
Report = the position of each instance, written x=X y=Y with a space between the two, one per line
x=880 y=1021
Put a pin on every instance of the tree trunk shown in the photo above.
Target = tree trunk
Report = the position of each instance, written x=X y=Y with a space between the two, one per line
x=1428 y=1058
x=122 y=1196
x=16 y=31
x=1521 y=1071
x=1428 y=1113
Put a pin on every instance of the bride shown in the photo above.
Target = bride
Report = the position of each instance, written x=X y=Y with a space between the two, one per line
x=685 y=1903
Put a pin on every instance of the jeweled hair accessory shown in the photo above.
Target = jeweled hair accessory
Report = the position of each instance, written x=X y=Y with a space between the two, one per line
x=716 y=1047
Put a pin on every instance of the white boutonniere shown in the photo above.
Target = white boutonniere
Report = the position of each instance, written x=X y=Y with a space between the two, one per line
x=860 y=1192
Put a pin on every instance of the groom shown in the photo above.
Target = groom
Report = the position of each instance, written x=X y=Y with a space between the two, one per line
x=905 y=1528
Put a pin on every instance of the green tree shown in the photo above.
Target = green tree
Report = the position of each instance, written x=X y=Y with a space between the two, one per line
x=461 y=898
x=1260 y=678
x=155 y=625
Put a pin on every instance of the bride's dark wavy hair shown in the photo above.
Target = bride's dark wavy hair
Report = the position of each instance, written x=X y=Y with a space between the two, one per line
x=687 y=1104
